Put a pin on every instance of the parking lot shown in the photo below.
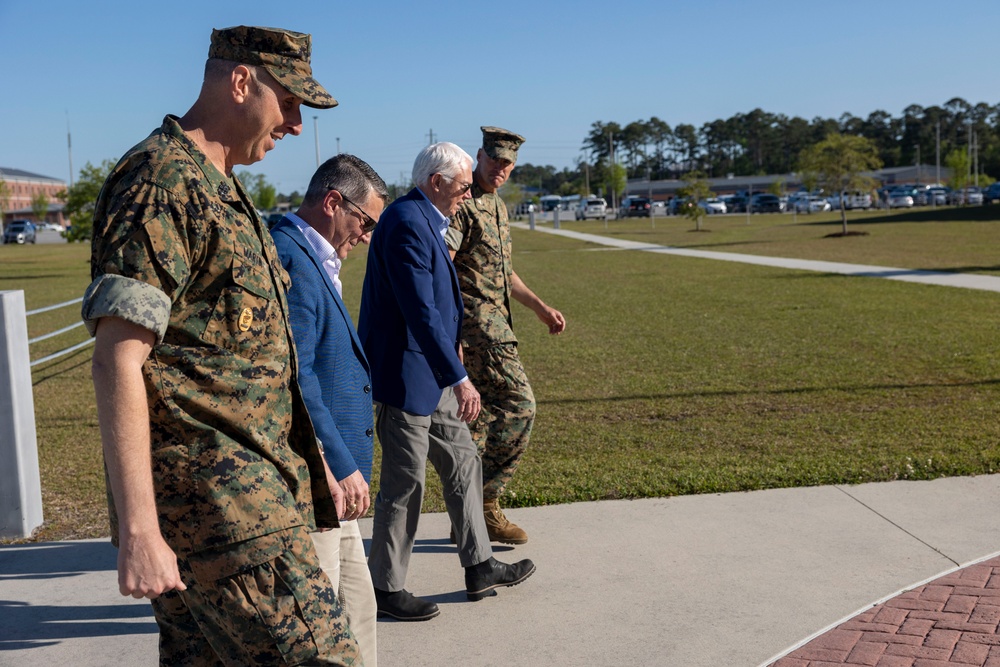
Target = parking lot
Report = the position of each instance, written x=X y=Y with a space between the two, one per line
x=46 y=236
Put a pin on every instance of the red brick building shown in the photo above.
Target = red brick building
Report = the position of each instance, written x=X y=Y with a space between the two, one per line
x=18 y=188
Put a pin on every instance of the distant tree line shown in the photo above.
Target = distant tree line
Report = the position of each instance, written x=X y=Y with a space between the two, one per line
x=759 y=142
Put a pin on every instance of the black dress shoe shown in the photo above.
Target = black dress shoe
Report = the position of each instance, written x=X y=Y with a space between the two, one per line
x=403 y=605
x=482 y=579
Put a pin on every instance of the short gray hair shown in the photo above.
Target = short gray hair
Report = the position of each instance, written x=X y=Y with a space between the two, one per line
x=350 y=176
x=441 y=158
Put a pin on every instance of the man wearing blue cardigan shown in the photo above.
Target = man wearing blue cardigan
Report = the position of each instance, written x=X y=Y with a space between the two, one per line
x=344 y=200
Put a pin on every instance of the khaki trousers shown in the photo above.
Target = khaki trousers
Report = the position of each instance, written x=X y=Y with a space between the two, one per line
x=341 y=554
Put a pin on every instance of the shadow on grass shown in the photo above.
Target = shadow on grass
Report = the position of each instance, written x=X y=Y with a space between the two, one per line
x=769 y=392
x=942 y=214
x=19 y=279
x=58 y=367
x=894 y=273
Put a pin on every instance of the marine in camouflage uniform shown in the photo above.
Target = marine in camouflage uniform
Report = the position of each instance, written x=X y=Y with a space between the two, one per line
x=238 y=478
x=479 y=239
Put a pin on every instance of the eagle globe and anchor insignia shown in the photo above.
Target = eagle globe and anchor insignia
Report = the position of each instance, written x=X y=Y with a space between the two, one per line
x=246 y=319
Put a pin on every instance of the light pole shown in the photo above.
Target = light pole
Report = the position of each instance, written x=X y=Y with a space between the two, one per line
x=316 y=132
x=69 y=148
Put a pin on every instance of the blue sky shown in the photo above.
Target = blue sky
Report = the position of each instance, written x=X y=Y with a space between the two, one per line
x=547 y=70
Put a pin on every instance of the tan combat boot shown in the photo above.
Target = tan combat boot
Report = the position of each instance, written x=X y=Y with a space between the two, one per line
x=500 y=529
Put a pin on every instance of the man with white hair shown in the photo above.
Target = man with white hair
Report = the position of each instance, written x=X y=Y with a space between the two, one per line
x=410 y=326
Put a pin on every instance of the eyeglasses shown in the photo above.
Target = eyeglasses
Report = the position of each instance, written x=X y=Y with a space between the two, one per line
x=465 y=186
x=368 y=222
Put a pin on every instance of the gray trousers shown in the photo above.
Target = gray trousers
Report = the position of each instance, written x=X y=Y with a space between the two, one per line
x=408 y=441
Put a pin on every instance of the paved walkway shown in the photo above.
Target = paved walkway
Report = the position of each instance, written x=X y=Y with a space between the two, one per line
x=694 y=581
x=725 y=580
x=944 y=278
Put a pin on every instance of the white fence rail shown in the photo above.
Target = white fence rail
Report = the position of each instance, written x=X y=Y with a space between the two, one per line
x=20 y=483
x=52 y=334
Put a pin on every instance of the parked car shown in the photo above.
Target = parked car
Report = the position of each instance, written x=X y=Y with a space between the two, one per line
x=592 y=208
x=274 y=219
x=51 y=227
x=765 y=203
x=937 y=196
x=811 y=204
x=900 y=199
x=19 y=231
x=712 y=205
x=852 y=200
x=676 y=205
x=992 y=193
x=634 y=207
x=737 y=203
x=795 y=198
x=971 y=196
x=919 y=194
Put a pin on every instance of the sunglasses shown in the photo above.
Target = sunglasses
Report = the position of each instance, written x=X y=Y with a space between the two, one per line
x=368 y=222
x=465 y=186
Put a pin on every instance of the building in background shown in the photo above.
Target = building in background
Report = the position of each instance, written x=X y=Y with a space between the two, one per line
x=17 y=190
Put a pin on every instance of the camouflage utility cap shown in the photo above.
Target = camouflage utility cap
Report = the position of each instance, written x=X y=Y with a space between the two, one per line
x=501 y=144
x=283 y=53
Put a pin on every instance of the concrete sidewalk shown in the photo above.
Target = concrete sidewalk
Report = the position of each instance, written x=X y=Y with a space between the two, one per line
x=977 y=281
x=731 y=580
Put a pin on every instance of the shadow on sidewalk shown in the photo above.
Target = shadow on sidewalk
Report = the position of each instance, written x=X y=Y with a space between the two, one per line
x=50 y=560
x=25 y=624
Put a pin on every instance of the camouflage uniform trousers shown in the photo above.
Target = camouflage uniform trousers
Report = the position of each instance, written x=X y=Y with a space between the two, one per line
x=503 y=426
x=260 y=602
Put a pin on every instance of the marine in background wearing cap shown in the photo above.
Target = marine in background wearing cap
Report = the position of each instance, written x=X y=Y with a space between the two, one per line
x=215 y=477
x=479 y=242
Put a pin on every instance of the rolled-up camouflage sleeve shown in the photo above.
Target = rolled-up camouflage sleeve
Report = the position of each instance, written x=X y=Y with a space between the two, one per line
x=457 y=227
x=130 y=299
x=140 y=255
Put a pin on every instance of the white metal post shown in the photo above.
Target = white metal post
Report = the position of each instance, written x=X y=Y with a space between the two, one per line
x=20 y=484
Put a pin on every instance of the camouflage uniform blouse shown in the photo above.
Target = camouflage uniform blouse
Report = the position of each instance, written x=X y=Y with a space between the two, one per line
x=480 y=235
x=179 y=249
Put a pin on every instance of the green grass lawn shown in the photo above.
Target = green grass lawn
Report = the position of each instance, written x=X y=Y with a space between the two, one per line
x=675 y=375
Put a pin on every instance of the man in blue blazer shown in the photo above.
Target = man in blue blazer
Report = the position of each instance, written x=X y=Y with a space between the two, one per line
x=410 y=325
x=341 y=206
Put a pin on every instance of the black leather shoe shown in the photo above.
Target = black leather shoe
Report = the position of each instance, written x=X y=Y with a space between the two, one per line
x=482 y=579
x=403 y=605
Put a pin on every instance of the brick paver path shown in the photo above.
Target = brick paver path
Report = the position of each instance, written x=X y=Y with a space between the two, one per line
x=950 y=621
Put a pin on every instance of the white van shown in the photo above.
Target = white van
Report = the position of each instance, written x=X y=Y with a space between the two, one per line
x=852 y=200
x=592 y=208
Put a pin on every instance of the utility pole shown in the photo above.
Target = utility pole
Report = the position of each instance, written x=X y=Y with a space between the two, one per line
x=938 y=175
x=968 y=166
x=316 y=132
x=430 y=135
x=918 y=164
x=975 y=152
x=338 y=145
x=611 y=156
x=69 y=148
